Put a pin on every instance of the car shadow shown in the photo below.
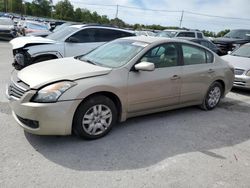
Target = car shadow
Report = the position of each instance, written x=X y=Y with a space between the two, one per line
x=245 y=92
x=144 y=141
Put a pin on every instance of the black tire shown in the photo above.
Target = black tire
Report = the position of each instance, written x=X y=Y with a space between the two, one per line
x=85 y=107
x=207 y=104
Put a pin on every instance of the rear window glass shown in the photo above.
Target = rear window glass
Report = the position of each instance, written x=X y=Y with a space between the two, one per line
x=186 y=34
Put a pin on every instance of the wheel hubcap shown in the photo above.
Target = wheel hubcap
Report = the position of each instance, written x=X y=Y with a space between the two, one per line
x=97 y=119
x=214 y=97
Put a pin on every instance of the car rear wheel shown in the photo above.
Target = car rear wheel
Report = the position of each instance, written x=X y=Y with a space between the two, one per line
x=213 y=96
x=95 y=117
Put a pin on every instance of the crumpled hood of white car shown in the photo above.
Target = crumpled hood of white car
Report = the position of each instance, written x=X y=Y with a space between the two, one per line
x=20 y=42
x=70 y=68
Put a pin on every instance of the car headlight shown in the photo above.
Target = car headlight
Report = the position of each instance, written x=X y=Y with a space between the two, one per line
x=19 y=59
x=52 y=92
x=248 y=73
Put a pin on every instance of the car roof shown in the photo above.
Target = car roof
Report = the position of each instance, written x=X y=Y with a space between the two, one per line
x=174 y=30
x=79 y=26
x=150 y=39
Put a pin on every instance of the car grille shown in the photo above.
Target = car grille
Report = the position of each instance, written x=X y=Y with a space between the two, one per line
x=238 y=71
x=17 y=88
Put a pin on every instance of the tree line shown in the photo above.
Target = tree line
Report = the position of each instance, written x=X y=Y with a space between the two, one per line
x=64 y=10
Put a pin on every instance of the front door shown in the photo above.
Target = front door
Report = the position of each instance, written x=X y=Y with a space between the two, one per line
x=158 y=88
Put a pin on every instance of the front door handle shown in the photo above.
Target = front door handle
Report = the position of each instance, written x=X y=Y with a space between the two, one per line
x=175 y=77
x=210 y=71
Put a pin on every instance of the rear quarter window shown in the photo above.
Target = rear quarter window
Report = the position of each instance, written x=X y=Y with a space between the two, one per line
x=210 y=57
x=199 y=35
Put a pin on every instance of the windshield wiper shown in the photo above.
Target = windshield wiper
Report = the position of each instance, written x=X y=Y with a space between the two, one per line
x=88 y=61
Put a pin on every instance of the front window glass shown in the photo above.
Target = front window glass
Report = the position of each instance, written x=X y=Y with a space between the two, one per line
x=61 y=35
x=162 y=56
x=193 y=55
x=243 y=51
x=114 y=54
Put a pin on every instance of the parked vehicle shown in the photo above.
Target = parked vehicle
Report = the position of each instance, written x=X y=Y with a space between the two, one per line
x=7 y=28
x=144 y=33
x=69 y=41
x=124 y=78
x=180 y=33
x=240 y=60
x=206 y=43
x=233 y=39
x=33 y=28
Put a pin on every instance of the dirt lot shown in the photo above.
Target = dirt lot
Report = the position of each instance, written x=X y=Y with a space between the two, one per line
x=180 y=148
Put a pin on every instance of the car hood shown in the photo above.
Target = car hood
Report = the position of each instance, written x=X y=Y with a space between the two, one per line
x=50 y=71
x=238 y=62
x=23 y=41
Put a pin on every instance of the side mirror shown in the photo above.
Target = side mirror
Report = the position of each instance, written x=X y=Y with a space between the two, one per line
x=72 y=40
x=229 y=52
x=145 y=66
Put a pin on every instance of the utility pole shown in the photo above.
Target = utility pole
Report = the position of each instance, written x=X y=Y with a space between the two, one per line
x=117 y=10
x=182 y=13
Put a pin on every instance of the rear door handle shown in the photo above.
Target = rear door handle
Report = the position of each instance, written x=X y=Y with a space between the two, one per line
x=210 y=71
x=175 y=77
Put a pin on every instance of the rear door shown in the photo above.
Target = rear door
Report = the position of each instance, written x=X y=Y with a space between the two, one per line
x=197 y=74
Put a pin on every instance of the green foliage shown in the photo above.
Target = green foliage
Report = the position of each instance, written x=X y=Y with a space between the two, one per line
x=2 y=6
x=40 y=8
x=64 y=10
x=222 y=33
x=118 y=22
x=78 y=15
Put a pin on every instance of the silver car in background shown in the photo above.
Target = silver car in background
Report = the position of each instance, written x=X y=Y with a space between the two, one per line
x=124 y=78
x=240 y=60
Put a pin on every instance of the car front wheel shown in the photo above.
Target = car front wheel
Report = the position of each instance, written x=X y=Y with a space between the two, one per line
x=95 y=117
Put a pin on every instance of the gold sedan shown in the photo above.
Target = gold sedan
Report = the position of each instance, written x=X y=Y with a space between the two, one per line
x=124 y=78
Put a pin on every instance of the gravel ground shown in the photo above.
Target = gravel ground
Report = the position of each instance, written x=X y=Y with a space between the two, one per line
x=179 y=148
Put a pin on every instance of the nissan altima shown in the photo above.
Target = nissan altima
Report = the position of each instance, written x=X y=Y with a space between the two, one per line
x=87 y=95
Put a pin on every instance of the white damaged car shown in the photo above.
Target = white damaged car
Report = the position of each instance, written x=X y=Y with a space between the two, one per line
x=67 y=42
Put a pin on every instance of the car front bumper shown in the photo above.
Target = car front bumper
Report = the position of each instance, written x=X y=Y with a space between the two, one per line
x=44 y=118
x=242 y=81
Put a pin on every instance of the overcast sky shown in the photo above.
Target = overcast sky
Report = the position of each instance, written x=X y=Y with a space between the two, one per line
x=225 y=8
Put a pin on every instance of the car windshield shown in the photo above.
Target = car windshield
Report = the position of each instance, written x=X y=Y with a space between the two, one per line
x=6 y=22
x=168 y=34
x=61 y=34
x=243 y=51
x=114 y=54
x=238 y=34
